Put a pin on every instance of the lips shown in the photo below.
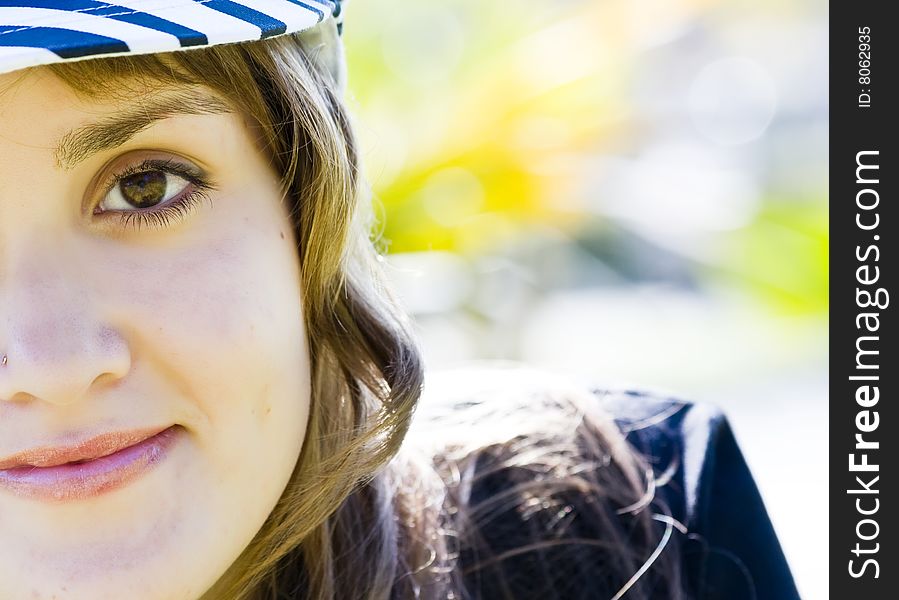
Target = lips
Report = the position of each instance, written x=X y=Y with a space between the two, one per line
x=87 y=468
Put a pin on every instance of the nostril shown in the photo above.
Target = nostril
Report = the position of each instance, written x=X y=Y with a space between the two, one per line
x=61 y=365
x=107 y=380
x=18 y=397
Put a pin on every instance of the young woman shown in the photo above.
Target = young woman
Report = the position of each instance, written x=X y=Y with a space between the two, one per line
x=205 y=385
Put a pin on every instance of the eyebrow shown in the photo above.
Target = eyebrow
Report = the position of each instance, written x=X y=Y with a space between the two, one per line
x=113 y=131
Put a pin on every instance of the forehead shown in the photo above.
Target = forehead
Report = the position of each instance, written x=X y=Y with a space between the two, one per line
x=32 y=86
x=36 y=107
x=105 y=94
x=39 y=111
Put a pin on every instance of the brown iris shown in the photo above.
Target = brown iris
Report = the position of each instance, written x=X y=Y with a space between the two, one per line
x=144 y=190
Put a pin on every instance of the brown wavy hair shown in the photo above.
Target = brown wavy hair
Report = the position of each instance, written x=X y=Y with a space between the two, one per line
x=359 y=519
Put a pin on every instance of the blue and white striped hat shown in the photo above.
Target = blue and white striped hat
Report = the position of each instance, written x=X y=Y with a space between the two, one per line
x=39 y=32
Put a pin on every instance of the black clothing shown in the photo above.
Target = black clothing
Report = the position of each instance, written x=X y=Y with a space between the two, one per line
x=730 y=550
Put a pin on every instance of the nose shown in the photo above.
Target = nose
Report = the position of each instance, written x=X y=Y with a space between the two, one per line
x=54 y=345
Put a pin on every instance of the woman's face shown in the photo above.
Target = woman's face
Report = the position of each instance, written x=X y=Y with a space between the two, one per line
x=134 y=301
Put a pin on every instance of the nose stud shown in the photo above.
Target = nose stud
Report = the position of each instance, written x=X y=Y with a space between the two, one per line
x=3 y=362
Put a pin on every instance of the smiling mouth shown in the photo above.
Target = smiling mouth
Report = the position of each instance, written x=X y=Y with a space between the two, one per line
x=92 y=468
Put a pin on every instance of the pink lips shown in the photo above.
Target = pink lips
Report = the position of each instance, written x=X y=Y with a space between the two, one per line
x=87 y=469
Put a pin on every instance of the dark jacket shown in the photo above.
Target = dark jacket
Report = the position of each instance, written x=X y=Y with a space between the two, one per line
x=729 y=552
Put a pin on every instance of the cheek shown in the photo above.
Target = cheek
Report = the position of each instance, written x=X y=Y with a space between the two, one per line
x=220 y=318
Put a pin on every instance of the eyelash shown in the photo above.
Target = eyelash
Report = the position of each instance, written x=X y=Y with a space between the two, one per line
x=176 y=208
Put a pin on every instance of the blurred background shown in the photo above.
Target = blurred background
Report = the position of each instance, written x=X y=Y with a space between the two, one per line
x=631 y=190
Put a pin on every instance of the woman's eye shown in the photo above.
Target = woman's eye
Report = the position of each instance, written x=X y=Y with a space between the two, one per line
x=143 y=190
x=154 y=193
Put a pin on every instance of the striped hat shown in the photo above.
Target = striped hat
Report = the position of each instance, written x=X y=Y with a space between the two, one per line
x=39 y=32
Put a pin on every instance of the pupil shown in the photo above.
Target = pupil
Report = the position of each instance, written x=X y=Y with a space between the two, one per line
x=144 y=190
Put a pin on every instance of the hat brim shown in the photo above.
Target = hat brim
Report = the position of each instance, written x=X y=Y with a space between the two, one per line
x=39 y=32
